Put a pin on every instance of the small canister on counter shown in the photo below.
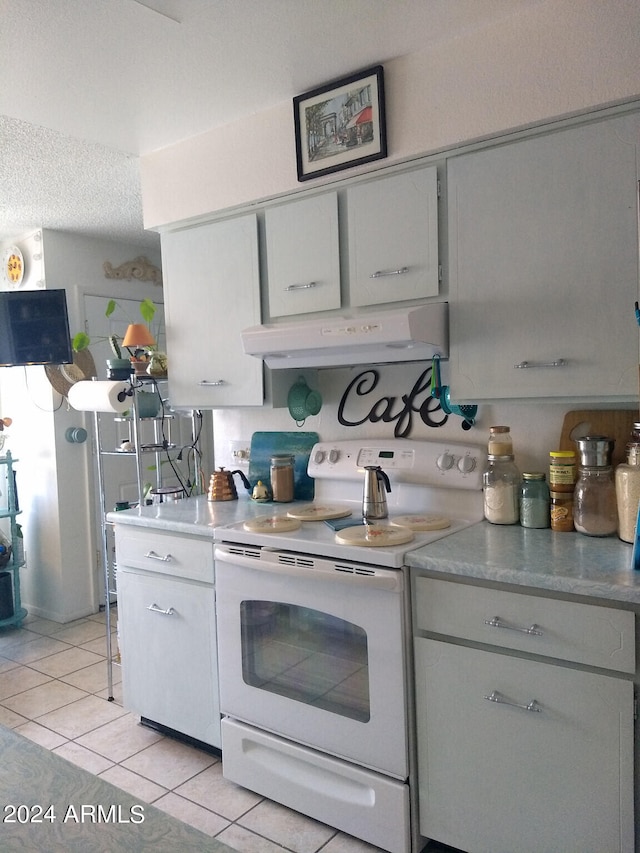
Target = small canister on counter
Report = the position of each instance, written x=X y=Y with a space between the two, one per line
x=627 y=479
x=561 y=512
x=501 y=490
x=282 y=481
x=562 y=470
x=534 y=500
x=500 y=442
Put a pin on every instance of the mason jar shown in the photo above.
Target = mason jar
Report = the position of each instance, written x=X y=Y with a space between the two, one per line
x=534 y=500
x=501 y=490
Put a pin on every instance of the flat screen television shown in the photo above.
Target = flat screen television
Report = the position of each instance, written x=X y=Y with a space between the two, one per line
x=34 y=328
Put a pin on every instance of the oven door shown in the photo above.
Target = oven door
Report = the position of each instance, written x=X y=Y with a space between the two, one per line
x=314 y=650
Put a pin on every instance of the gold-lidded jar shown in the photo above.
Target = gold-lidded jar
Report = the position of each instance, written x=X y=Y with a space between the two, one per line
x=562 y=470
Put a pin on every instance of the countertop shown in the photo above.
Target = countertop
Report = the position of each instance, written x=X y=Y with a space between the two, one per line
x=192 y=516
x=539 y=559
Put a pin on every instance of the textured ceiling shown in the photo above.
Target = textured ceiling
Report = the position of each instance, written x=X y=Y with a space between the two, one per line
x=89 y=85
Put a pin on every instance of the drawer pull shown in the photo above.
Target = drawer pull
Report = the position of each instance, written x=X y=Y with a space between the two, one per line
x=153 y=556
x=214 y=383
x=525 y=365
x=382 y=273
x=499 y=699
x=306 y=286
x=155 y=609
x=496 y=622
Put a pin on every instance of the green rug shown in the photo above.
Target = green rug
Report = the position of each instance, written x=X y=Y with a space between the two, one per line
x=48 y=805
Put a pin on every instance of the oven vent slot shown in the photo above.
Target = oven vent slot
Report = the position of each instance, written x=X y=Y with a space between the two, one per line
x=296 y=560
x=354 y=570
x=244 y=552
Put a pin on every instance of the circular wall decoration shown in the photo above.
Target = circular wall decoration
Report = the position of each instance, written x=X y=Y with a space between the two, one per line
x=63 y=376
x=13 y=266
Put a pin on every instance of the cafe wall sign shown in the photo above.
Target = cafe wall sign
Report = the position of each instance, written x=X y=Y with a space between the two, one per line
x=398 y=410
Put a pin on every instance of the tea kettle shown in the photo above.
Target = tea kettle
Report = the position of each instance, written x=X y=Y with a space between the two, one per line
x=374 y=499
x=222 y=486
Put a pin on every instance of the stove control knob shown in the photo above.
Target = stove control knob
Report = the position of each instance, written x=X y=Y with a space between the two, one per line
x=318 y=457
x=334 y=455
x=445 y=461
x=467 y=464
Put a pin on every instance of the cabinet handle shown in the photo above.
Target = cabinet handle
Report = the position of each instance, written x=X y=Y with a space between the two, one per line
x=499 y=699
x=523 y=365
x=155 y=609
x=382 y=273
x=153 y=556
x=306 y=286
x=496 y=622
x=214 y=382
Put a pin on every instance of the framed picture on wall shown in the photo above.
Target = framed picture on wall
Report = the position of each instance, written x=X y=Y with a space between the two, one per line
x=340 y=124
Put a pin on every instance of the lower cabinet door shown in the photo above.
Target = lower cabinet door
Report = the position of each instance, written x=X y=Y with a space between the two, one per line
x=516 y=756
x=169 y=653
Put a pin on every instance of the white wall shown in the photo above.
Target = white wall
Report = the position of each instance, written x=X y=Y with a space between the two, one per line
x=55 y=477
x=554 y=58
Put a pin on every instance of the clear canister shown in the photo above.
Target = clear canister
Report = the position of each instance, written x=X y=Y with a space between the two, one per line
x=534 y=500
x=500 y=442
x=282 y=485
x=501 y=490
x=627 y=479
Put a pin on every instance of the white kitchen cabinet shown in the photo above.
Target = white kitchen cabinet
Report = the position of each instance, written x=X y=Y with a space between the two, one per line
x=211 y=293
x=384 y=231
x=166 y=618
x=393 y=238
x=513 y=778
x=543 y=260
x=303 y=255
x=519 y=750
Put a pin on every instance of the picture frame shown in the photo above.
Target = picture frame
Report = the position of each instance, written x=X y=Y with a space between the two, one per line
x=341 y=124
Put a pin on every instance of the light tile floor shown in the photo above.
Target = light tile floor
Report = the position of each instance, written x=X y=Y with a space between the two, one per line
x=53 y=690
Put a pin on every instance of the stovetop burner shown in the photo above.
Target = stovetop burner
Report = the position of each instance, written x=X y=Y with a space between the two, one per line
x=438 y=483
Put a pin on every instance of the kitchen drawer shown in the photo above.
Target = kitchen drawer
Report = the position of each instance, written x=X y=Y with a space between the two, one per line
x=167 y=554
x=582 y=633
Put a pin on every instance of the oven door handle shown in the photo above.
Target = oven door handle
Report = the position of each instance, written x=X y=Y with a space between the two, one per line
x=320 y=569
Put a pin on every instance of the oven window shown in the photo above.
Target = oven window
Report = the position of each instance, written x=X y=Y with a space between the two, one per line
x=306 y=655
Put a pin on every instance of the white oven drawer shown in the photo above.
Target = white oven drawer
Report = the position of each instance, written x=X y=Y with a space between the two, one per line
x=357 y=801
x=583 y=633
x=165 y=553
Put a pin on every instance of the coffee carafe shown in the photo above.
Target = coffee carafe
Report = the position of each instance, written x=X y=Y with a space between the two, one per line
x=374 y=498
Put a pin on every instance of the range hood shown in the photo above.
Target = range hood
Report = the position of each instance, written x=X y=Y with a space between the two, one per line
x=416 y=333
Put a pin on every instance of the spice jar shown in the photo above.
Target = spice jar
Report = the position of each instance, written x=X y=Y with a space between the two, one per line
x=282 y=477
x=534 y=500
x=501 y=490
x=500 y=443
x=562 y=470
x=561 y=512
x=594 y=510
x=627 y=479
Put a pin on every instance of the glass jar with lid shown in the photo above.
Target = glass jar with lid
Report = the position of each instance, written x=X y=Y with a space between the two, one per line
x=282 y=480
x=627 y=479
x=500 y=442
x=534 y=500
x=562 y=470
x=595 y=508
x=501 y=490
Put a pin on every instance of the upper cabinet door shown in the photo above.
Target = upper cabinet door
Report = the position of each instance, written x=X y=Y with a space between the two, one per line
x=543 y=238
x=211 y=293
x=393 y=238
x=303 y=256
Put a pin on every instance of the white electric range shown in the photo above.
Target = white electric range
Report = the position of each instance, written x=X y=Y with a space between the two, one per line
x=314 y=637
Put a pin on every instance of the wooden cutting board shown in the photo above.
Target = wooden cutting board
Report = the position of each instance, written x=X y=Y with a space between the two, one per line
x=614 y=423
